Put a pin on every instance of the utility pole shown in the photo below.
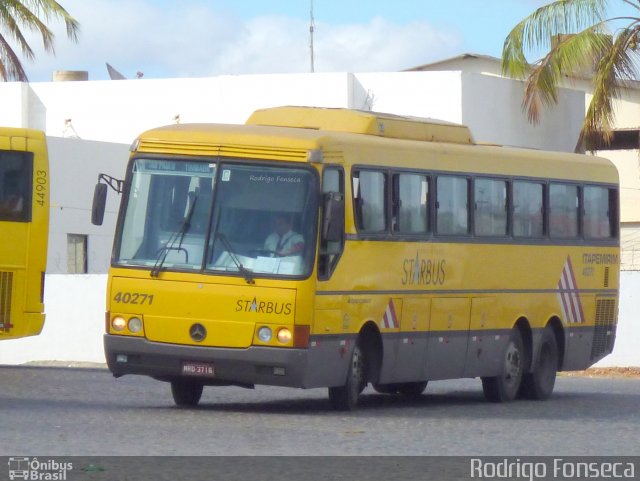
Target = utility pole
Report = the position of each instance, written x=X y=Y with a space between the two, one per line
x=311 y=29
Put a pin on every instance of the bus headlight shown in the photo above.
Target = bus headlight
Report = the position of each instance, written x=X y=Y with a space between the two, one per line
x=264 y=334
x=284 y=336
x=135 y=325
x=118 y=323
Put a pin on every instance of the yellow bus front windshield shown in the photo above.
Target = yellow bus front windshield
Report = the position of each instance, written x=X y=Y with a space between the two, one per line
x=223 y=217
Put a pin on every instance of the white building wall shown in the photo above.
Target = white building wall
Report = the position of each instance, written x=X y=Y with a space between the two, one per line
x=628 y=164
x=493 y=105
x=75 y=165
x=74 y=324
x=117 y=111
x=437 y=95
x=14 y=102
x=630 y=246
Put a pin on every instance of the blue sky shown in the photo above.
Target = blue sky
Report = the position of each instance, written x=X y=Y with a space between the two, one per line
x=197 y=38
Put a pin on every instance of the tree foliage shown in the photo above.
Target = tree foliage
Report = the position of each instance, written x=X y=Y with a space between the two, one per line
x=580 y=40
x=19 y=16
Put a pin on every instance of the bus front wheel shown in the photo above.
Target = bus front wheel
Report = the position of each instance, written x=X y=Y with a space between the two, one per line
x=186 y=392
x=505 y=386
x=539 y=383
x=345 y=398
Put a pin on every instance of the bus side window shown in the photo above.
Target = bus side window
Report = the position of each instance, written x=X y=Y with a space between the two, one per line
x=369 y=194
x=15 y=185
x=564 y=203
x=452 y=205
x=410 y=204
x=490 y=207
x=330 y=251
x=599 y=213
x=528 y=209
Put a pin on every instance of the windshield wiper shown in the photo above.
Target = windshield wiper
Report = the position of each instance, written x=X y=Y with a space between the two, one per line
x=177 y=235
x=246 y=273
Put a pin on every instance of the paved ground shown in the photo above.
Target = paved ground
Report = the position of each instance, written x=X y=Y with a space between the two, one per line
x=61 y=411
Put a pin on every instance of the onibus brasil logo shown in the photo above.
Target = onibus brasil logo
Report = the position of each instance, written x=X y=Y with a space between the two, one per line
x=34 y=469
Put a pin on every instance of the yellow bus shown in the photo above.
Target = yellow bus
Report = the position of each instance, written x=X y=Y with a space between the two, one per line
x=24 y=227
x=336 y=248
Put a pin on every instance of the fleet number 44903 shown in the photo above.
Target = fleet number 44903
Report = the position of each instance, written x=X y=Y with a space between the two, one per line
x=133 y=298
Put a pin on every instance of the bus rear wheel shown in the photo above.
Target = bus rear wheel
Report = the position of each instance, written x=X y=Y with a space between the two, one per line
x=505 y=386
x=345 y=398
x=539 y=384
x=186 y=392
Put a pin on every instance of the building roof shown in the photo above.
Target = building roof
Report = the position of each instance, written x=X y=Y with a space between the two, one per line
x=493 y=66
x=448 y=61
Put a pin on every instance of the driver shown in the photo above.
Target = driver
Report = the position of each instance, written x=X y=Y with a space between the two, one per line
x=284 y=241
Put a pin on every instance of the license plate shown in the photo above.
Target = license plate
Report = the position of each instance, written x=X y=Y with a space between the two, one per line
x=201 y=369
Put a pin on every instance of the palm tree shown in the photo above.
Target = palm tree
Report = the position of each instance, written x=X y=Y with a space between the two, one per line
x=577 y=36
x=17 y=16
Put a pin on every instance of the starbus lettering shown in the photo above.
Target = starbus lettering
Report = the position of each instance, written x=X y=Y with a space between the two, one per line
x=423 y=272
x=263 y=307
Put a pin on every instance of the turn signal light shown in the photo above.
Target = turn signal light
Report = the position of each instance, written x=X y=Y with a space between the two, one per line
x=284 y=336
x=118 y=323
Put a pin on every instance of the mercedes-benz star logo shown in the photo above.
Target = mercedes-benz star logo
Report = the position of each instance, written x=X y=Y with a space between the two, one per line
x=197 y=332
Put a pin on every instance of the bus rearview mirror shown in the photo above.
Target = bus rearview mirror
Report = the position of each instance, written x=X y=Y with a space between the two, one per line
x=333 y=222
x=99 y=203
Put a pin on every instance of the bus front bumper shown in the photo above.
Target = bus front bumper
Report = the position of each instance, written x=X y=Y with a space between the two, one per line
x=250 y=366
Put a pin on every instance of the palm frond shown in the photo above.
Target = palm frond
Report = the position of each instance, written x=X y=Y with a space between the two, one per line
x=10 y=65
x=32 y=15
x=538 y=30
x=52 y=10
x=614 y=68
x=11 y=26
x=572 y=54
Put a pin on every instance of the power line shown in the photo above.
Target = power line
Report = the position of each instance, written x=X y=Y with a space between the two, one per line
x=311 y=30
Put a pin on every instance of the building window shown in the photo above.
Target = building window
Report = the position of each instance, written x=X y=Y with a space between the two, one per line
x=77 y=253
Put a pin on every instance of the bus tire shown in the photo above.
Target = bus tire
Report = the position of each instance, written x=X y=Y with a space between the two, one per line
x=412 y=389
x=345 y=398
x=539 y=383
x=505 y=386
x=186 y=392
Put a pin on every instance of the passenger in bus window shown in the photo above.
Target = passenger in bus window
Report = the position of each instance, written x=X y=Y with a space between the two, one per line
x=14 y=204
x=284 y=241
